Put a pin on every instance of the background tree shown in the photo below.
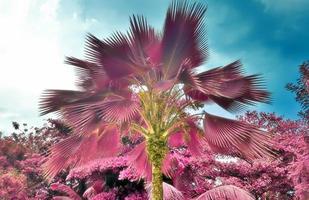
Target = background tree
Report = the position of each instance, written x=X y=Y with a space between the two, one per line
x=301 y=90
x=21 y=156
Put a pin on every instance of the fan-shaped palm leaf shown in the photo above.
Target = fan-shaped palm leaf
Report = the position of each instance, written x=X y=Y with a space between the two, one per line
x=72 y=195
x=78 y=150
x=189 y=136
x=183 y=37
x=114 y=55
x=144 y=42
x=84 y=111
x=91 y=76
x=138 y=158
x=212 y=79
x=227 y=87
x=54 y=100
x=233 y=137
x=226 y=192
x=119 y=109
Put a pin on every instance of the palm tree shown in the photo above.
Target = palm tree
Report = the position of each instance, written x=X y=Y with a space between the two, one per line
x=144 y=82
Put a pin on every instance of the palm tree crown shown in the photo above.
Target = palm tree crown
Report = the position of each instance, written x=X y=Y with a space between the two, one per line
x=146 y=82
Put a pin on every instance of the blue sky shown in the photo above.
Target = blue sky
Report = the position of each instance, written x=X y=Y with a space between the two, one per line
x=270 y=37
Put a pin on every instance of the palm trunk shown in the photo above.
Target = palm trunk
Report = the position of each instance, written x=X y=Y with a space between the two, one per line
x=156 y=147
x=157 y=183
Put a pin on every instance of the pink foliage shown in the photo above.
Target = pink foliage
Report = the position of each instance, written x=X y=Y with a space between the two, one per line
x=31 y=165
x=13 y=186
x=130 y=174
x=4 y=163
x=105 y=196
x=137 y=196
x=99 y=165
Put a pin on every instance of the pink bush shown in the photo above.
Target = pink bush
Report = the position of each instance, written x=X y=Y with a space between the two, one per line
x=13 y=186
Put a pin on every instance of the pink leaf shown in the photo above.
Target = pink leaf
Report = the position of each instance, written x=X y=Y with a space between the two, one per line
x=230 y=136
x=138 y=158
x=183 y=37
x=113 y=54
x=176 y=139
x=227 y=192
x=65 y=189
x=77 y=150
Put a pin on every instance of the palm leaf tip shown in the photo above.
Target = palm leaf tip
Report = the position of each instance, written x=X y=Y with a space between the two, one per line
x=142 y=39
x=232 y=137
x=113 y=54
x=228 y=192
x=229 y=88
x=54 y=100
x=90 y=76
x=183 y=38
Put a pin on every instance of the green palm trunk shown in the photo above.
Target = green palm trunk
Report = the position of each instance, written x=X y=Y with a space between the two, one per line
x=156 y=147
x=157 y=183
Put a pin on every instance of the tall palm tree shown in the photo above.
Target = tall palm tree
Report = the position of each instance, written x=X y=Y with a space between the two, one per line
x=146 y=82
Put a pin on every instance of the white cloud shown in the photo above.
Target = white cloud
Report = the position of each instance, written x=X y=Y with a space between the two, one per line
x=5 y=115
x=32 y=50
x=49 y=9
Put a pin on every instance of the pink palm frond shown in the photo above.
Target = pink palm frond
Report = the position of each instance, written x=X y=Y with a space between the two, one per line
x=65 y=189
x=54 y=100
x=143 y=40
x=229 y=136
x=226 y=192
x=119 y=109
x=183 y=37
x=94 y=189
x=190 y=137
x=227 y=72
x=113 y=54
x=189 y=79
x=212 y=79
x=229 y=88
x=61 y=155
x=168 y=164
x=90 y=76
x=77 y=150
x=176 y=139
x=171 y=193
x=84 y=111
x=196 y=94
x=138 y=159
x=164 y=85
x=194 y=142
